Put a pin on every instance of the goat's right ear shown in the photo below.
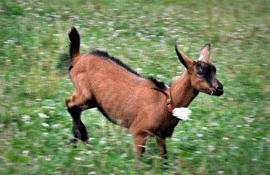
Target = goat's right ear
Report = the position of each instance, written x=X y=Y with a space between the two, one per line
x=183 y=58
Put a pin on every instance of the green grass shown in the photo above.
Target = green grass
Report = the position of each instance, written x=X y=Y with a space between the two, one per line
x=228 y=135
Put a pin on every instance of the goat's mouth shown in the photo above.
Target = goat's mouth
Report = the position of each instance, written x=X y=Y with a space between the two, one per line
x=217 y=91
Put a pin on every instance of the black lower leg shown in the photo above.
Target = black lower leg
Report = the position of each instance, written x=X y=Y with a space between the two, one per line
x=164 y=155
x=162 y=147
x=79 y=129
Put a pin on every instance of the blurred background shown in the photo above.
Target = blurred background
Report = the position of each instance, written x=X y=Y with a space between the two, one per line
x=228 y=134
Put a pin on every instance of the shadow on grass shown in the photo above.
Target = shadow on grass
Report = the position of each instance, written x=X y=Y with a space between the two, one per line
x=63 y=63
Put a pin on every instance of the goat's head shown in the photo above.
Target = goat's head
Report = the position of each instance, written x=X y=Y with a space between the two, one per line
x=202 y=72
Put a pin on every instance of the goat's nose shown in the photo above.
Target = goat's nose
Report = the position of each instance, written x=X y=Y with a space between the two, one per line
x=219 y=90
x=220 y=86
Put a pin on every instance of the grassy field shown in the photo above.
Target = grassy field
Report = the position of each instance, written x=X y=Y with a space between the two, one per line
x=228 y=134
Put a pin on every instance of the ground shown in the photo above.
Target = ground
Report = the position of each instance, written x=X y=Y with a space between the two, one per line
x=228 y=134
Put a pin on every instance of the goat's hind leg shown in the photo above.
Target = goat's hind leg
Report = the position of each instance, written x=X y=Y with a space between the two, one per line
x=79 y=129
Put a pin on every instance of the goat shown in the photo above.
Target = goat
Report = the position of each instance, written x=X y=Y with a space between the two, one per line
x=143 y=105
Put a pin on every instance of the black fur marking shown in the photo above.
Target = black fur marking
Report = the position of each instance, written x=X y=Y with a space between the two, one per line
x=105 y=114
x=74 y=38
x=79 y=129
x=159 y=85
x=180 y=57
x=206 y=71
x=70 y=67
x=168 y=132
x=105 y=55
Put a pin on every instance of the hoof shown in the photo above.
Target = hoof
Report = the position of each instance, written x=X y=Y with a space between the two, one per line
x=74 y=142
x=86 y=142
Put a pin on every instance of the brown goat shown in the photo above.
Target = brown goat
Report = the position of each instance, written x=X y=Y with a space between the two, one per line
x=143 y=105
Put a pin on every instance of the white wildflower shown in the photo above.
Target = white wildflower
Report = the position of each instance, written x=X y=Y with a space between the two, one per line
x=159 y=76
x=254 y=159
x=28 y=8
x=139 y=70
x=88 y=166
x=66 y=130
x=25 y=152
x=78 y=158
x=220 y=172
x=45 y=134
x=49 y=107
x=214 y=124
x=55 y=125
x=41 y=115
x=249 y=120
x=235 y=147
x=241 y=137
x=225 y=138
x=175 y=139
x=204 y=128
x=182 y=113
x=211 y=148
x=200 y=135
x=26 y=118
x=89 y=152
x=45 y=124
x=102 y=142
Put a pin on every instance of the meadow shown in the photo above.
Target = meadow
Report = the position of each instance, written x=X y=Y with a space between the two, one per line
x=228 y=134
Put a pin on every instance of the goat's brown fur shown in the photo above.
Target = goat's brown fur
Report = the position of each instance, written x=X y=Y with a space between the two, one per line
x=128 y=99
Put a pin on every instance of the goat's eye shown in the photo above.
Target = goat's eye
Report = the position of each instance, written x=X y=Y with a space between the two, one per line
x=200 y=72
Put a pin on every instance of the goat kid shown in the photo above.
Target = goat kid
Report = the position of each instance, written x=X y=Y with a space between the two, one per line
x=143 y=105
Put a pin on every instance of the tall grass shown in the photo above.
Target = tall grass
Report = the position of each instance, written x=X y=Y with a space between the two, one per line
x=228 y=135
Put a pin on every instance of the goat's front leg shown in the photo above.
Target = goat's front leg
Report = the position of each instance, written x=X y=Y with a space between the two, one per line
x=161 y=144
x=139 y=141
x=79 y=129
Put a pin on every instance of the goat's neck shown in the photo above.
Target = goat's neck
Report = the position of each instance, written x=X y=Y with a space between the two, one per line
x=182 y=92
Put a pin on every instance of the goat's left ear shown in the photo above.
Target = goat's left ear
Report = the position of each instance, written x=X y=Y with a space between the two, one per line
x=183 y=58
x=205 y=53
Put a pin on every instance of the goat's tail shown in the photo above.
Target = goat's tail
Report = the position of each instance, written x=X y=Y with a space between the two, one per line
x=74 y=49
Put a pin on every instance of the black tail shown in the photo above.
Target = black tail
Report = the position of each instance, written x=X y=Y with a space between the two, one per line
x=74 y=49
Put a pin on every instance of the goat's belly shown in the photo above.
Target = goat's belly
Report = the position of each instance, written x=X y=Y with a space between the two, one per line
x=118 y=116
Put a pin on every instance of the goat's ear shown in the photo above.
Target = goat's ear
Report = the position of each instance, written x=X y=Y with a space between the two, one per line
x=205 y=53
x=183 y=58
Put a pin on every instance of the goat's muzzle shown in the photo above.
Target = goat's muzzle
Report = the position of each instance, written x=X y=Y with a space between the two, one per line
x=218 y=91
